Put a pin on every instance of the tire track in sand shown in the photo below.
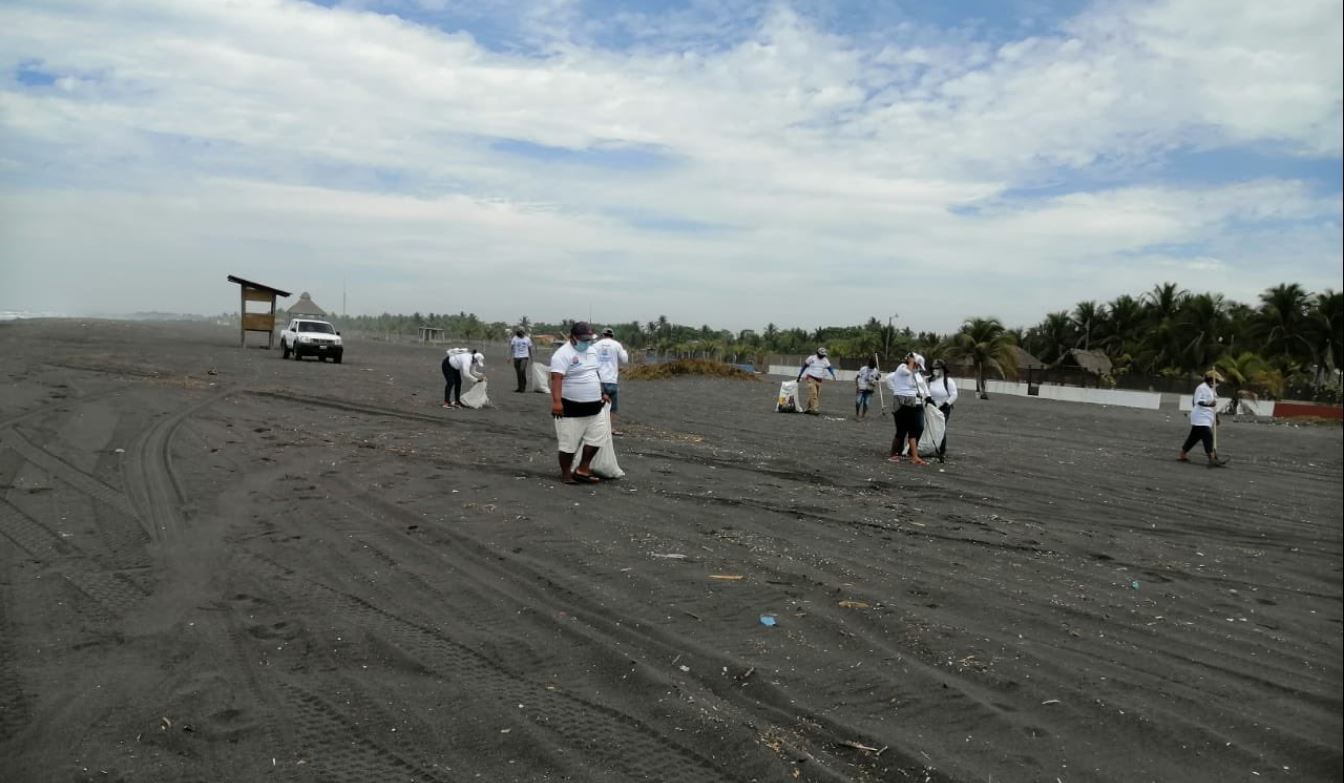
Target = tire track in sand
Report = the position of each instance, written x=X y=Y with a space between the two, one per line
x=152 y=483
x=620 y=742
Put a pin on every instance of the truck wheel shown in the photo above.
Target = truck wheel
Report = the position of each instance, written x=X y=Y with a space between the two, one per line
x=336 y=358
x=284 y=350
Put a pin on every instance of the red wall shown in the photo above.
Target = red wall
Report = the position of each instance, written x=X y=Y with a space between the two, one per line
x=1287 y=410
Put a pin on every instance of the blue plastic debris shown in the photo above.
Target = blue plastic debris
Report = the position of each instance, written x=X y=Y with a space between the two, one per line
x=768 y=619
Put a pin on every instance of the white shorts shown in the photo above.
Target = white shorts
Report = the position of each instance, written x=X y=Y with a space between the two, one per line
x=587 y=430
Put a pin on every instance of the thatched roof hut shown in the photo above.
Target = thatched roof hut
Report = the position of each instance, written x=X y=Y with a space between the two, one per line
x=306 y=307
x=1094 y=363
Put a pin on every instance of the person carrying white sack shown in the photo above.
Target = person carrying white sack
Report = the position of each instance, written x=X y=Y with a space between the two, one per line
x=908 y=392
x=943 y=394
x=577 y=400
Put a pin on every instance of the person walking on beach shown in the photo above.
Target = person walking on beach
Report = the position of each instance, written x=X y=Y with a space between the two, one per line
x=1203 y=418
x=864 y=383
x=815 y=369
x=943 y=392
x=610 y=356
x=576 y=405
x=904 y=385
x=520 y=347
x=455 y=366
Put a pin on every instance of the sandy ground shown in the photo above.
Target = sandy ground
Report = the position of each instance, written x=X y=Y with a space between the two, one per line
x=219 y=565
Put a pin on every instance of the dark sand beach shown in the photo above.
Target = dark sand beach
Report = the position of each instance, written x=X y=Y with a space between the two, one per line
x=219 y=565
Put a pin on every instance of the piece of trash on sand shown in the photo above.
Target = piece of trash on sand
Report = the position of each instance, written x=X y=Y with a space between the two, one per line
x=120 y=451
x=768 y=619
x=668 y=556
x=727 y=577
x=859 y=746
x=1134 y=584
x=854 y=605
x=1050 y=701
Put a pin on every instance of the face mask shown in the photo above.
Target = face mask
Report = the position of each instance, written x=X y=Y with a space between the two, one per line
x=582 y=345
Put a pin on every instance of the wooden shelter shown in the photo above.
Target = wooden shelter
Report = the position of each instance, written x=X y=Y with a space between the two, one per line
x=429 y=334
x=257 y=321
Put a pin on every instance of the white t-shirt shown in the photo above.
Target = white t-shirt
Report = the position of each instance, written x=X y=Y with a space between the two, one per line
x=522 y=347
x=610 y=355
x=902 y=382
x=816 y=366
x=464 y=363
x=581 y=382
x=867 y=378
x=1201 y=416
x=943 y=395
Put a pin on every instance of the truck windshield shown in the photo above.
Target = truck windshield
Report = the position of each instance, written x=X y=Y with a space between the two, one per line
x=313 y=326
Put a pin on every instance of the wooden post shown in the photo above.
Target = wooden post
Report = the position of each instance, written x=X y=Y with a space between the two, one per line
x=242 y=317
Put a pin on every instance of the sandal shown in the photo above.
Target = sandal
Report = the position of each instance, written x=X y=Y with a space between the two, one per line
x=894 y=459
x=585 y=478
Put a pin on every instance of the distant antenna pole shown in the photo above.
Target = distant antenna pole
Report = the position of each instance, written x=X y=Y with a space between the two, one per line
x=344 y=312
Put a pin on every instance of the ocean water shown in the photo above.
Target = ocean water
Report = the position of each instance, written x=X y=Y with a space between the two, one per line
x=14 y=315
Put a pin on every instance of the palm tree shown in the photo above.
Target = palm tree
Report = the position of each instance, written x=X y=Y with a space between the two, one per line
x=1052 y=337
x=985 y=343
x=1325 y=327
x=1121 y=326
x=1282 y=325
x=1085 y=317
x=1204 y=319
x=1244 y=374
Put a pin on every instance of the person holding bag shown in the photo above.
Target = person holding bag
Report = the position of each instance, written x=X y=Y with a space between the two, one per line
x=943 y=394
x=908 y=397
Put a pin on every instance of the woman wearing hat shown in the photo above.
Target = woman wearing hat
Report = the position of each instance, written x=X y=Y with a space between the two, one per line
x=815 y=369
x=908 y=397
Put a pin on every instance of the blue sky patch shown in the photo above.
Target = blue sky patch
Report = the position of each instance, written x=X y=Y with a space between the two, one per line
x=31 y=74
x=615 y=157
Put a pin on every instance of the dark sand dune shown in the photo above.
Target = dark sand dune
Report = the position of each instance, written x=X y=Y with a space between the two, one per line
x=218 y=565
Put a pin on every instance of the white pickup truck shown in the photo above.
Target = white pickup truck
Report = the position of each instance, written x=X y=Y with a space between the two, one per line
x=310 y=337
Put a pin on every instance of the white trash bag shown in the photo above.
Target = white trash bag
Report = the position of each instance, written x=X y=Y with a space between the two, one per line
x=935 y=425
x=476 y=396
x=604 y=461
x=541 y=378
x=787 y=402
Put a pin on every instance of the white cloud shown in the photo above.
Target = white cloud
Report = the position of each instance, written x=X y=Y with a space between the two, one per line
x=190 y=137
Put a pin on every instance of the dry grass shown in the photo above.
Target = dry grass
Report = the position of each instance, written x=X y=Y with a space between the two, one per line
x=680 y=367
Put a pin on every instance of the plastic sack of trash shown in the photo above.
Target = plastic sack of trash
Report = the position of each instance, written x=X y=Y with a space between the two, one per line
x=476 y=396
x=541 y=378
x=787 y=402
x=935 y=424
x=604 y=462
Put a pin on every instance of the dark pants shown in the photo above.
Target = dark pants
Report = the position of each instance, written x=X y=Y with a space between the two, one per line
x=1198 y=433
x=452 y=383
x=947 y=416
x=909 y=424
x=520 y=369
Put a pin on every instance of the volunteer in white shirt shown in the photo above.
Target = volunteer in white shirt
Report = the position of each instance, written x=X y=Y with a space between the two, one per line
x=454 y=366
x=610 y=356
x=1203 y=418
x=815 y=369
x=864 y=383
x=943 y=392
x=907 y=395
x=576 y=404
x=520 y=348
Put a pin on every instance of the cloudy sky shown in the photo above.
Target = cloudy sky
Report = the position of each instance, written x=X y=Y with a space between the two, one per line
x=715 y=161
